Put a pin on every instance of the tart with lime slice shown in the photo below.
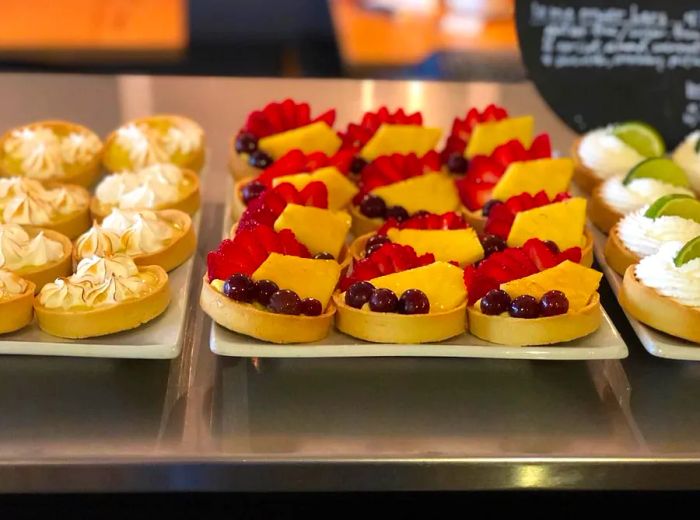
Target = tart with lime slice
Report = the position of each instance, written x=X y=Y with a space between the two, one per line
x=642 y=232
x=645 y=183
x=613 y=151
x=663 y=290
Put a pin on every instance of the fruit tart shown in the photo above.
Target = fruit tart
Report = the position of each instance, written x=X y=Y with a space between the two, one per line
x=155 y=187
x=453 y=154
x=16 y=301
x=153 y=140
x=305 y=212
x=51 y=151
x=300 y=169
x=645 y=183
x=687 y=156
x=37 y=255
x=105 y=295
x=398 y=186
x=672 y=218
x=385 y=133
x=559 y=220
x=395 y=295
x=612 y=151
x=663 y=290
x=264 y=284
x=556 y=304
x=278 y=128
x=164 y=237
x=64 y=208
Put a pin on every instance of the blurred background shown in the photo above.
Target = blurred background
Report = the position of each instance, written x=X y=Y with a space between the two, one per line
x=423 y=39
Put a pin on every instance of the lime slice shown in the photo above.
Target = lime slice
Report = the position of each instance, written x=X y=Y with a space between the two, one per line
x=679 y=205
x=642 y=137
x=688 y=252
x=660 y=168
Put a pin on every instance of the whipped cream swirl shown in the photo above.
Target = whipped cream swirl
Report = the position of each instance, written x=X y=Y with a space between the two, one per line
x=659 y=272
x=149 y=188
x=11 y=285
x=644 y=236
x=19 y=250
x=27 y=201
x=605 y=154
x=686 y=156
x=630 y=197
x=184 y=137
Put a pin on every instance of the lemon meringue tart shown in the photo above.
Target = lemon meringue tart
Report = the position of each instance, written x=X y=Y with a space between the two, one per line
x=104 y=296
x=51 y=151
x=37 y=255
x=159 y=186
x=16 y=301
x=64 y=208
x=153 y=140
x=165 y=237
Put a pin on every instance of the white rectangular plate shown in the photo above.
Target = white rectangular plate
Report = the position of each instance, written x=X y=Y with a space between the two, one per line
x=158 y=339
x=655 y=342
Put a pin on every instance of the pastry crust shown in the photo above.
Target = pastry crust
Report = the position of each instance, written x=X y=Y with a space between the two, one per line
x=194 y=163
x=506 y=330
x=390 y=327
x=189 y=203
x=475 y=219
x=17 y=312
x=127 y=315
x=618 y=256
x=40 y=275
x=238 y=163
x=85 y=176
x=657 y=311
x=600 y=213
x=585 y=178
x=237 y=204
x=362 y=225
x=245 y=318
x=174 y=254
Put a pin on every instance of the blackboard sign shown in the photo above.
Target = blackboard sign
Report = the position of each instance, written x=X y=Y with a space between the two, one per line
x=601 y=61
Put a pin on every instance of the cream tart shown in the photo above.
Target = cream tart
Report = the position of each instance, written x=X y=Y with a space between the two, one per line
x=276 y=129
x=51 y=151
x=156 y=139
x=264 y=284
x=37 y=255
x=16 y=300
x=164 y=237
x=664 y=293
x=103 y=296
x=63 y=208
x=687 y=156
x=155 y=187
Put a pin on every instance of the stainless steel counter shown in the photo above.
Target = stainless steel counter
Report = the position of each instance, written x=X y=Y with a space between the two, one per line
x=201 y=422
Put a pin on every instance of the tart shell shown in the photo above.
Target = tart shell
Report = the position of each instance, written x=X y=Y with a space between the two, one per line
x=17 y=312
x=585 y=178
x=475 y=219
x=247 y=319
x=506 y=330
x=601 y=214
x=40 y=275
x=237 y=204
x=127 y=315
x=390 y=327
x=85 y=176
x=362 y=225
x=657 y=311
x=618 y=256
x=189 y=203
x=238 y=164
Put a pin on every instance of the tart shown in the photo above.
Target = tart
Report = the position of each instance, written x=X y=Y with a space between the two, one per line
x=103 y=296
x=663 y=294
x=299 y=169
x=16 y=300
x=156 y=187
x=687 y=156
x=397 y=296
x=37 y=255
x=278 y=128
x=556 y=304
x=398 y=186
x=155 y=139
x=165 y=237
x=264 y=284
x=63 y=208
x=560 y=220
x=51 y=151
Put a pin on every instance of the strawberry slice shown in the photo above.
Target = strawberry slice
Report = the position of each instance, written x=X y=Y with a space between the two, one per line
x=501 y=216
x=474 y=194
x=389 y=258
x=449 y=220
x=314 y=194
x=357 y=135
x=540 y=254
x=279 y=117
x=267 y=207
x=388 y=169
x=462 y=129
x=327 y=117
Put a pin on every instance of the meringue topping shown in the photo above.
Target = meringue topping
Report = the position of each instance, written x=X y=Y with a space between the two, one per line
x=148 y=188
x=148 y=145
x=11 y=285
x=27 y=201
x=19 y=250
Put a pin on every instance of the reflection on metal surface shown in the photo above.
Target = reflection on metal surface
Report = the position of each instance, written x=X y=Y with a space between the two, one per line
x=531 y=476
